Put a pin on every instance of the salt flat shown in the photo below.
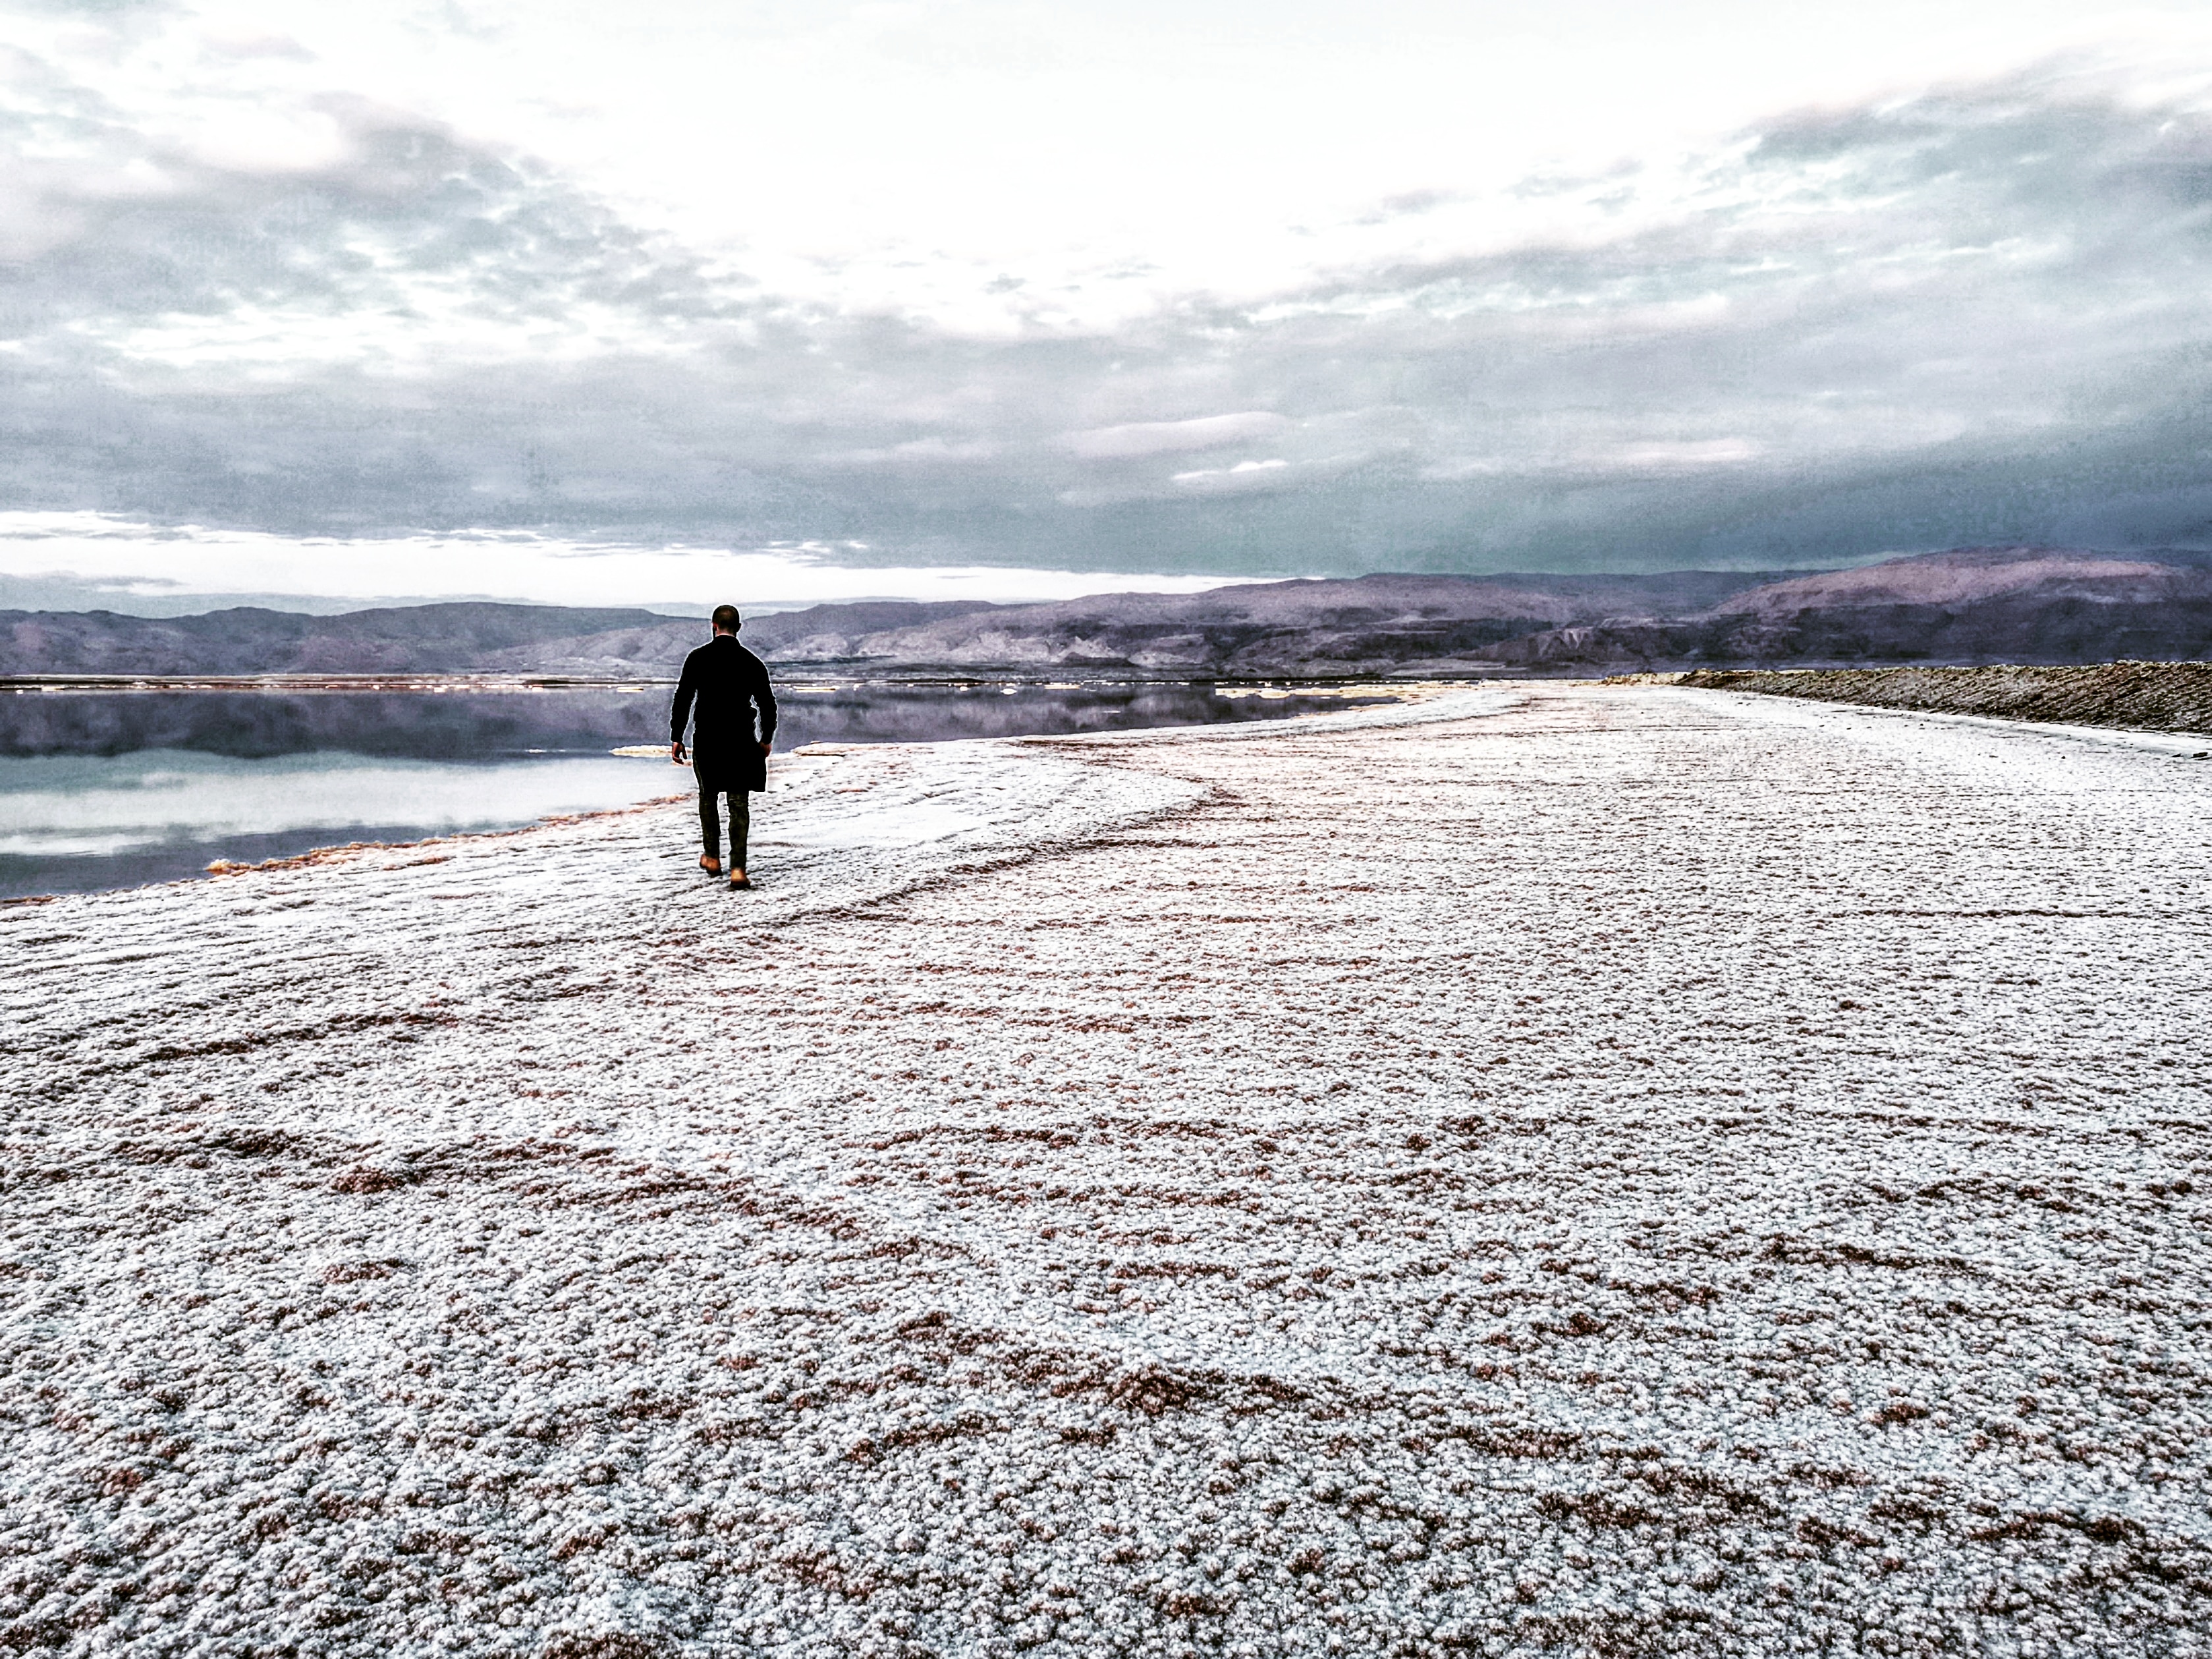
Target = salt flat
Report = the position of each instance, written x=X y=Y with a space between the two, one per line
x=1576 y=1170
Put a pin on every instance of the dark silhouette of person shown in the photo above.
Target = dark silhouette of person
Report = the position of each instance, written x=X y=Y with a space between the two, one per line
x=722 y=686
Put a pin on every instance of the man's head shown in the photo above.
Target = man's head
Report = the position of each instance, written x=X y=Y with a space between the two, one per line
x=726 y=619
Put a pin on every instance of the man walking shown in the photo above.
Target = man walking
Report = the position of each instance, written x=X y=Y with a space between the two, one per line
x=727 y=684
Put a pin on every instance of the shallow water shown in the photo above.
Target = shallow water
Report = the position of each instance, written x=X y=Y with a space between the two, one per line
x=114 y=789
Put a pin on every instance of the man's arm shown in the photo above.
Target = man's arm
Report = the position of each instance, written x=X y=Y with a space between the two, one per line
x=764 y=700
x=680 y=713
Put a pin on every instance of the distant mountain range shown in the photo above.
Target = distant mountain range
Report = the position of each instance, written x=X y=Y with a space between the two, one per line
x=2022 y=604
x=1976 y=605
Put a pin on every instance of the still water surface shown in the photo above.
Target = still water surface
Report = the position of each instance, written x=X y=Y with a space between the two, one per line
x=114 y=789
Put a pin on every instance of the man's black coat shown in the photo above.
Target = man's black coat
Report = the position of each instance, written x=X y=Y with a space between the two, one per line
x=727 y=683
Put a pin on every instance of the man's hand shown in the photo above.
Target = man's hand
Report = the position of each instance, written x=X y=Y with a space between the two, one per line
x=676 y=752
x=766 y=747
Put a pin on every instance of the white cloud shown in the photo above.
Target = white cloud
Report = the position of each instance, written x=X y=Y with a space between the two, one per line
x=1699 y=452
x=128 y=559
x=1241 y=469
x=1171 y=437
x=915 y=165
x=918 y=451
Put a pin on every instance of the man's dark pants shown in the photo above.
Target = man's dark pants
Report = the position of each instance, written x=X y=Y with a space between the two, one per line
x=710 y=823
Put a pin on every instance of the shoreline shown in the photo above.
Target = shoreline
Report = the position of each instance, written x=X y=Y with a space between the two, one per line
x=798 y=674
x=61 y=683
x=226 y=861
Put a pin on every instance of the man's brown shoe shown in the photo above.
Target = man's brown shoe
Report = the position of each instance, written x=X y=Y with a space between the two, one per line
x=738 y=881
x=710 y=863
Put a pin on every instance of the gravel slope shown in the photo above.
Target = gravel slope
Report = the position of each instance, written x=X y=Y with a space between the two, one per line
x=1582 y=1170
x=2156 y=697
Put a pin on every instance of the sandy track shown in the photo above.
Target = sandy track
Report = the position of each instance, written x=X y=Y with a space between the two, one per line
x=1630 y=1171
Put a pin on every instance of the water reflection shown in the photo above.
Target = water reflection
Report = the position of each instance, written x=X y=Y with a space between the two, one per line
x=104 y=789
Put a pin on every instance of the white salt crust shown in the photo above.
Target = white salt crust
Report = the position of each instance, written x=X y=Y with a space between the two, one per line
x=1564 y=1170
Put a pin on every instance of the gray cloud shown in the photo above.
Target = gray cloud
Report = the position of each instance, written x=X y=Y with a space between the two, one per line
x=1975 y=317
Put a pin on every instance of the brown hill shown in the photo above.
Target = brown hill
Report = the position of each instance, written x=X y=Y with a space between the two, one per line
x=461 y=638
x=2028 y=604
x=456 y=638
x=1364 y=625
x=1980 y=575
x=1968 y=606
x=820 y=633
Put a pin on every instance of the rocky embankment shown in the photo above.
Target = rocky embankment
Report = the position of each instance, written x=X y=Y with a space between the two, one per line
x=2156 y=697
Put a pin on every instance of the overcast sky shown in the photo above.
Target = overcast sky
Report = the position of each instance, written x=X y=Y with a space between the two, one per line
x=541 y=299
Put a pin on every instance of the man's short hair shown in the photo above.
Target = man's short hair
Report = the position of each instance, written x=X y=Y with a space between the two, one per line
x=726 y=619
